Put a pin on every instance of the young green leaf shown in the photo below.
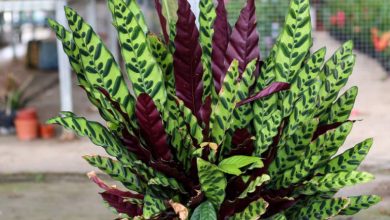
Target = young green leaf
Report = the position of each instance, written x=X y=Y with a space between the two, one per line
x=205 y=210
x=233 y=164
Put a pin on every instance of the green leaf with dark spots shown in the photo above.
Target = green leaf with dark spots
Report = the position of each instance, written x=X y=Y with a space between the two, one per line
x=358 y=203
x=212 y=181
x=253 y=211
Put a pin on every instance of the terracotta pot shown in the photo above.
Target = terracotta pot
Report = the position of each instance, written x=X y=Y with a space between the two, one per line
x=46 y=131
x=26 y=129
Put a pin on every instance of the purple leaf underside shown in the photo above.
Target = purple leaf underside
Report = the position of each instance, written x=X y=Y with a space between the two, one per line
x=244 y=40
x=187 y=64
x=220 y=44
x=152 y=128
x=271 y=89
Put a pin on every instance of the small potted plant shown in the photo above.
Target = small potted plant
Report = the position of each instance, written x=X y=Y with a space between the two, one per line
x=7 y=113
x=11 y=101
x=14 y=116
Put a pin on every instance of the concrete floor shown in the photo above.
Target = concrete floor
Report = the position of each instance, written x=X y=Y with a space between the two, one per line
x=51 y=156
x=61 y=199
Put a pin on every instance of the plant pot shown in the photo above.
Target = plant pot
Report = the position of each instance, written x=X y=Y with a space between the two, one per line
x=26 y=129
x=28 y=113
x=46 y=131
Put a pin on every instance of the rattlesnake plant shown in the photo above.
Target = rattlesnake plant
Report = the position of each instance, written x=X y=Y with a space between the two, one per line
x=209 y=129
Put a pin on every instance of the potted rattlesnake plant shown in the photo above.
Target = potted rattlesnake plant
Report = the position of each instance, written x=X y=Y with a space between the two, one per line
x=211 y=130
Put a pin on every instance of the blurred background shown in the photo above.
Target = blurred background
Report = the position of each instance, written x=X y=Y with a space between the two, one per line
x=42 y=174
